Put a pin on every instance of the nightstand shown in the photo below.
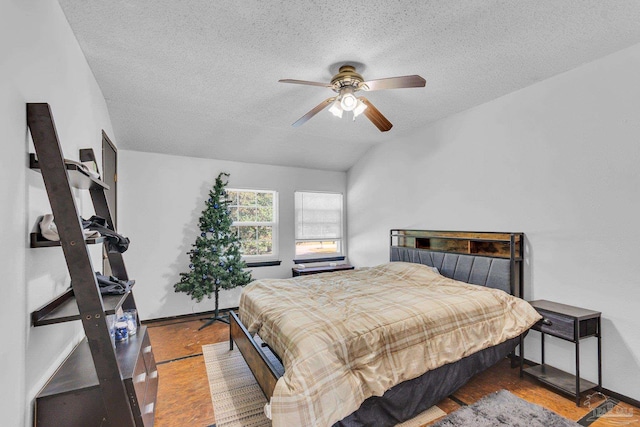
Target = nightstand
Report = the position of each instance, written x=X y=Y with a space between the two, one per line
x=295 y=271
x=570 y=324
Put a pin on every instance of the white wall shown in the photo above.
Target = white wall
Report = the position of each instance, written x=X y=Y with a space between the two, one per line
x=558 y=161
x=40 y=61
x=161 y=198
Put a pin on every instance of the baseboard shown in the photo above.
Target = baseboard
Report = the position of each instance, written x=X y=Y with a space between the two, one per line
x=621 y=397
x=186 y=317
x=610 y=393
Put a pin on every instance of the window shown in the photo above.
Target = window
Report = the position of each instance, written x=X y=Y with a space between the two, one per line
x=318 y=225
x=255 y=219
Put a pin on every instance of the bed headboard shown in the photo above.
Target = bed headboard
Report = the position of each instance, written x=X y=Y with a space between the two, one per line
x=481 y=258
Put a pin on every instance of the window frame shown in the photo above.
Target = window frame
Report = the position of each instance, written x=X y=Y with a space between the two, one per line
x=337 y=256
x=266 y=259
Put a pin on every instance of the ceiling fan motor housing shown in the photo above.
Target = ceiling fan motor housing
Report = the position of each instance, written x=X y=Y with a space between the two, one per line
x=346 y=77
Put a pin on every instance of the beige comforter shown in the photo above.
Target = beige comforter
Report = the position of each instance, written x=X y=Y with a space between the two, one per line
x=346 y=336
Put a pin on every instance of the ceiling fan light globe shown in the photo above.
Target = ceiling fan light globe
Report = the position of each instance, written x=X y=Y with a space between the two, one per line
x=335 y=109
x=359 y=109
x=348 y=102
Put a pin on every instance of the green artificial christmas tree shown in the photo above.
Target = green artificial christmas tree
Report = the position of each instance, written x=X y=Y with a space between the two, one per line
x=216 y=258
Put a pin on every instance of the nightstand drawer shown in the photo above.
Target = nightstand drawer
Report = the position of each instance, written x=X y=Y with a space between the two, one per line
x=559 y=326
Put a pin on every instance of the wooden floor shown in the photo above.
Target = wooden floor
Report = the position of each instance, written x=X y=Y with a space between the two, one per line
x=184 y=399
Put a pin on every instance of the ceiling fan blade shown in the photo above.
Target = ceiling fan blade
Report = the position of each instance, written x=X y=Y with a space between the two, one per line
x=324 y=104
x=304 y=82
x=394 y=83
x=376 y=116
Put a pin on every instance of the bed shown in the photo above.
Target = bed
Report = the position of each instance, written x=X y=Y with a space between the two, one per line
x=378 y=345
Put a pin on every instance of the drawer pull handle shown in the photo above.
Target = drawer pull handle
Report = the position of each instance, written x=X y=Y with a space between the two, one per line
x=140 y=378
x=149 y=408
x=547 y=322
x=147 y=349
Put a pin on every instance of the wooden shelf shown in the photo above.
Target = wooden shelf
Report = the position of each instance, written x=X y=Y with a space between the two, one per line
x=36 y=240
x=558 y=379
x=77 y=177
x=496 y=245
x=65 y=308
x=66 y=378
x=72 y=396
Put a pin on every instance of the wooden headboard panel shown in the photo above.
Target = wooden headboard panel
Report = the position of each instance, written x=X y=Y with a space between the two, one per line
x=482 y=258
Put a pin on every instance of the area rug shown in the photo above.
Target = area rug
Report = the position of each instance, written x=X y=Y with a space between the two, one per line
x=504 y=409
x=237 y=398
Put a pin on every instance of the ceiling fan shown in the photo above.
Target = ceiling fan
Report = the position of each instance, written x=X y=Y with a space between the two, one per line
x=346 y=84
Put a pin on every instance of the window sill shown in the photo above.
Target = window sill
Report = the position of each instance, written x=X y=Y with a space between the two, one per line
x=263 y=264
x=310 y=260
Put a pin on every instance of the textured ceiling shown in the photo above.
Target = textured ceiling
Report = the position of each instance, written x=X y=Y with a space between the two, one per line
x=200 y=77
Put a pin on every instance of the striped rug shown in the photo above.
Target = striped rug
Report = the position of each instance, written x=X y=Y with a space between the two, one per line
x=238 y=400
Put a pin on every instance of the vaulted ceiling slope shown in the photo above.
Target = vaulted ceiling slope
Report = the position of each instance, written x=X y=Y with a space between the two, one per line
x=200 y=77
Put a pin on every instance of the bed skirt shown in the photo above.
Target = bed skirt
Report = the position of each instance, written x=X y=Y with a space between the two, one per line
x=406 y=400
